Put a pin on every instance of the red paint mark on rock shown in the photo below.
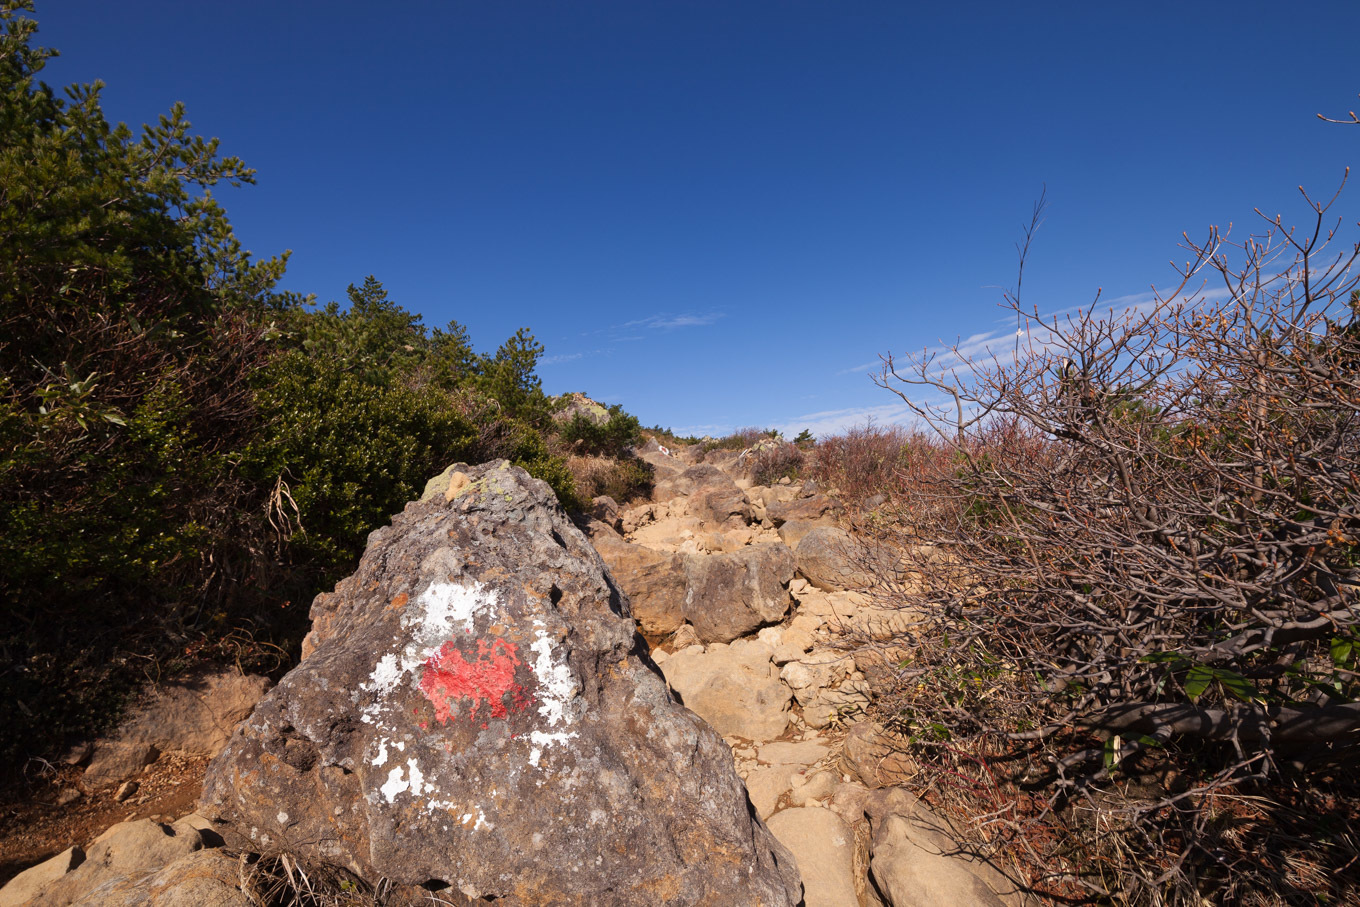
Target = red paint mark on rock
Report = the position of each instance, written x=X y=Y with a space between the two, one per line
x=486 y=680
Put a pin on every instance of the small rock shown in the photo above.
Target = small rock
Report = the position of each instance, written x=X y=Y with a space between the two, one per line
x=810 y=788
x=115 y=761
x=684 y=637
x=68 y=796
x=876 y=757
x=78 y=754
x=29 y=883
x=808 y=752
x=766 y=786
x=846 y=704
x=770 y=636
x=733 y=688
x=125 y=790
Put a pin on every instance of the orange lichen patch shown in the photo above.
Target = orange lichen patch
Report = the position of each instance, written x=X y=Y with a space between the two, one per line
x=457 y=482
x=399 y=602
x=662 y=890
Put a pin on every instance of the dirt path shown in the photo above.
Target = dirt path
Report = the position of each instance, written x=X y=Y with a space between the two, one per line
x=34 y=825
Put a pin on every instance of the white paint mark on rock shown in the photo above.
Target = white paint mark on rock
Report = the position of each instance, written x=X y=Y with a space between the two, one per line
x=386 y=675
x=395 y=784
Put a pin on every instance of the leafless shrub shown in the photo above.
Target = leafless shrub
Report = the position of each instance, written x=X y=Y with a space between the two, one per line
x=1152 y=526
x=869 y=460
x=775 y=462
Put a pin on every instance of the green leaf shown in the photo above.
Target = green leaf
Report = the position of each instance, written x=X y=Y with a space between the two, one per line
x=1172 y=658
x=1342 y=650
x=1235 y=684
x=1197 y=681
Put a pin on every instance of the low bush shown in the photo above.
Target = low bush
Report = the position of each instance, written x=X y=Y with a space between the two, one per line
x=740 y=439
x=668 y=438
x=775 y=462
x=625 y=479
x=610 y=437
x=869 y=460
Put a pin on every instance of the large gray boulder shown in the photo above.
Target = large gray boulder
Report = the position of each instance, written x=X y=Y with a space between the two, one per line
x=735 y=593
x=831 y=559
x=477 y=714
x=723 y=595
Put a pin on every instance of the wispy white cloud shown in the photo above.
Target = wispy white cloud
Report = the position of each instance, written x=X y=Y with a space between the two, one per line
x=834 y=421
x=667 y=322
x=711 y=430
x=558 y=360
x=864 y=367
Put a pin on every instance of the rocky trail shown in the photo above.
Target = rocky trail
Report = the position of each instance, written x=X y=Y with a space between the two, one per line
x=476 y=719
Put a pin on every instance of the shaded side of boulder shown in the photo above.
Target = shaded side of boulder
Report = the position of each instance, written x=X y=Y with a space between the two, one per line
x=196 y=715
x=654 y=582
x=477 y=712
x=734 y=593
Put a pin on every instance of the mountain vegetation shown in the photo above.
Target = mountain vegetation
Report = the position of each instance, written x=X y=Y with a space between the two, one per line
x=187 y=453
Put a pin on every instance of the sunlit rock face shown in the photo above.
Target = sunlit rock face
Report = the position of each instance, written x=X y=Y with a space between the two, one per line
x=474 y=711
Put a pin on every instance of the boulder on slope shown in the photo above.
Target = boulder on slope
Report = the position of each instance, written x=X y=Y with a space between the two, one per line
x=654 y=582
x=477 y=713
x=734 y=593
x=831 y=559
x=723 y=595
x=734 y=688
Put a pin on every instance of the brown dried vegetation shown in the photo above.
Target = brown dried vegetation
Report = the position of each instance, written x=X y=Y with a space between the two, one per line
x=1134 y=642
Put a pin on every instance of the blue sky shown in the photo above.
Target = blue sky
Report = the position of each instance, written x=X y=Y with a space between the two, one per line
x=720 y=213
